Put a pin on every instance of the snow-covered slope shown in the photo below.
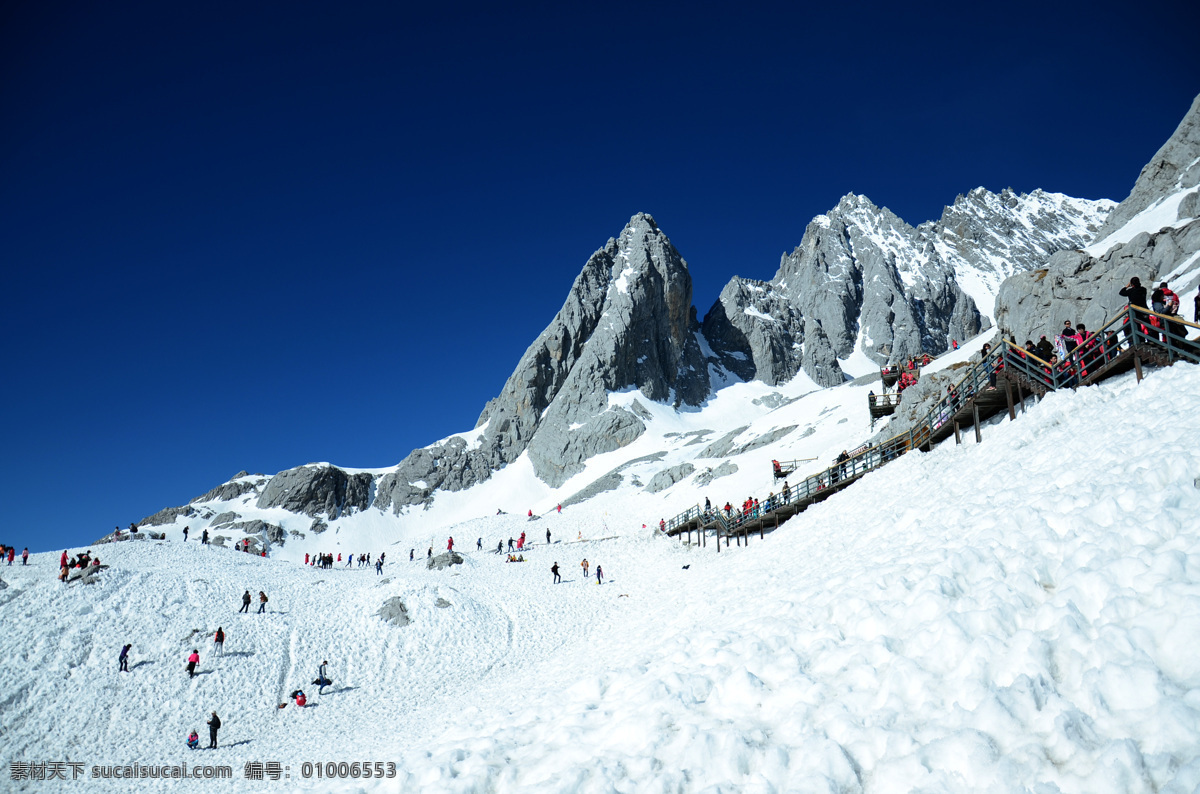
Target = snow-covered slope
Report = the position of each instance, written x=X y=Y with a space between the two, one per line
x=1012 y=616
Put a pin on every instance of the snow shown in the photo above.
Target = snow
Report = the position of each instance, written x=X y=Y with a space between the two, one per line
x=622 y=282
x=753 y=312
x=1016 y=615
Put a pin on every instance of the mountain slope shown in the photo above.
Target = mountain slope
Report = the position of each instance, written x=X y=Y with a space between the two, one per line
x=977 y=618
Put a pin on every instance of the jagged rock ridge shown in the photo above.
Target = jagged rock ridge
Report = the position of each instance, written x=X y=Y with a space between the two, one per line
x=864 y=281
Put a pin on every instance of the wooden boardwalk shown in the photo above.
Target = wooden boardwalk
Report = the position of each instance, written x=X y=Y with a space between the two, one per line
x=1001 y=381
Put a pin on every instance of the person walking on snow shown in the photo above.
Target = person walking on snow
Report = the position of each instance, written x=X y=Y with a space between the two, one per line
x=62 y=561
x=214 y=725
x=262 y=602
x=410 y=554
x=185 y=531
x=379 y=567
x=25 y=556
x=450 y=544
x=204 y=538
x=599 y=575
x=219 y=642
x=124 y=659
x=479 y=545
x=499 y=547
x=554 y=570
x=245 y=603
x=584 y=565
x=547 y=536
x=193 y=660
x=322 y=676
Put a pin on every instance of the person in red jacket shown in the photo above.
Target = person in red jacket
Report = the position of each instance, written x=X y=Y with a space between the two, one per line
x=193 y=660
x=62 y=561
x=450 y=544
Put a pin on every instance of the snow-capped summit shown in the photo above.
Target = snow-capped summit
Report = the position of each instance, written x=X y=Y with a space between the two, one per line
x=864 y=288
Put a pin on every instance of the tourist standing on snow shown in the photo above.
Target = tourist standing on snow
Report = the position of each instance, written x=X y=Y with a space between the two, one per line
x=193 y=660
x=204 y=538
x=584 y=565
x=245 y=602
x=25 y=556
x=124 y=659
x=479 y=545
x=554 y=570
x=185 y=531
x=262 y=602
x=214 y=725
x=450 y=544
x=62 y=561
x=379 y=567
x=547 y=536
x=322 y=676
x=219 y=642
x=599 y=575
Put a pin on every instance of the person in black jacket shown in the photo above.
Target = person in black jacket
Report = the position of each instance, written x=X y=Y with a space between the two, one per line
x=213 y=726
x=1135 y=293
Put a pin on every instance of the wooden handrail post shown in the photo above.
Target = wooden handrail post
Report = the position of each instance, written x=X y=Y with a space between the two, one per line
x=975 y=413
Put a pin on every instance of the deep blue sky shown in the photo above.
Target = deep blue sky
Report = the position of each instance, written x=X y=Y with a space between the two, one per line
x=256 y=235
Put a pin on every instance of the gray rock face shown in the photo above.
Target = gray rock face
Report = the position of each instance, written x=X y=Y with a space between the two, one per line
x=627 y=323
x=862 y=279
x=1174 y=166
x=609 y=481
x=708 y=475
x=724 y=445
x=444 y=560
x=1074 y=286
x=318 y=490
x=668 y=477
x=275 y=534
x=167 y=516
x=241 y=484
x=394 y=612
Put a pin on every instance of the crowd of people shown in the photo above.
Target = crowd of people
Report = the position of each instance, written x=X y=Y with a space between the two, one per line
x=10 y=553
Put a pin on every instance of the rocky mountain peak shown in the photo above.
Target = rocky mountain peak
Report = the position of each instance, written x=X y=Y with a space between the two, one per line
x=1153 y=234
x=1173 y=168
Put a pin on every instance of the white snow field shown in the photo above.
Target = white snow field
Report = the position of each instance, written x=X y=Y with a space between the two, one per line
x=1018 y=615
